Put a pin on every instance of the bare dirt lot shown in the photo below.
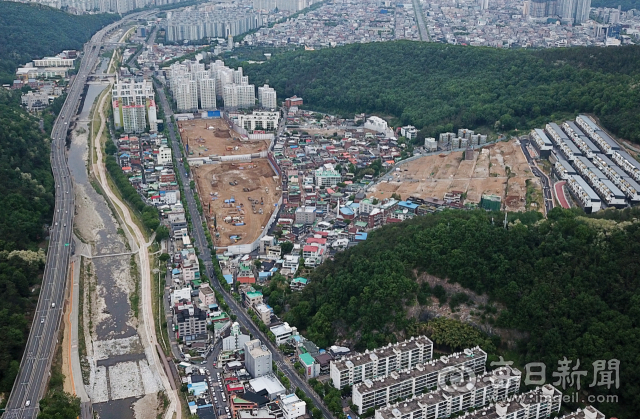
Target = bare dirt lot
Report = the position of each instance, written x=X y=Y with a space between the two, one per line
x=208 y=137
x=499 y=169
x=252 y=179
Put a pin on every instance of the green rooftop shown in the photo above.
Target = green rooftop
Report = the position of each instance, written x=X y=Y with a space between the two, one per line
x=307 y=359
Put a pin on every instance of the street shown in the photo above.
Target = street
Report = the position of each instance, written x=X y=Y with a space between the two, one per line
x=546 y=182
x=200 y=240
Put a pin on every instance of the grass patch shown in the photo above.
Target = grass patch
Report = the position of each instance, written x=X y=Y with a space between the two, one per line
x=134 y=298
x=534 y=196
x=158 y=283
x=56 y=382
x=85 y=275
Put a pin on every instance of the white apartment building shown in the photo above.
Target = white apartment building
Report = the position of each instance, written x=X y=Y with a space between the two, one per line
x=164 y=155
x=257 y=358
x=292 y=406
x=267 y=97
x=207 y=92
x=327 y=176
x=186 y=95
x=479 y=391
x=305 y=215
x=257 y=120
x=54 y=62
x=131 y=100
x=381 y=361
x=409 y=132
x=482 y=396
x=410 y=382
x=236 y=340
x=263 y=312
x=539 y=403
x=239 y=96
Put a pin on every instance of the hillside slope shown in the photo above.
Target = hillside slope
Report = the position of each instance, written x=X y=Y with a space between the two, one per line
x=440 y=87
x=570 y=282
x=31 y=30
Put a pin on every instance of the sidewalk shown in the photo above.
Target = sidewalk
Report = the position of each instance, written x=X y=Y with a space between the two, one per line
x=76 y=370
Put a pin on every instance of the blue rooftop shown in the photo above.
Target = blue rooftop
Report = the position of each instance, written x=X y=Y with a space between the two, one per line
x=361 y=236
x=346 y=211
x=408 y=204
x=229 y=278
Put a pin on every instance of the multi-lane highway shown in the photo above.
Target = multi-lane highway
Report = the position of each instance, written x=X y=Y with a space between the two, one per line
x=33 y=375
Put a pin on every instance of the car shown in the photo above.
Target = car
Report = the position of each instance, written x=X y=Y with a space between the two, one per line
x=42 y=320
x=65 y=225
x=56 y=223
x=27 y=403
x=53 y=305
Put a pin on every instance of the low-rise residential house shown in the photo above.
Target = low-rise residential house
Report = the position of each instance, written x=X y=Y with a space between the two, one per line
x=283 y=332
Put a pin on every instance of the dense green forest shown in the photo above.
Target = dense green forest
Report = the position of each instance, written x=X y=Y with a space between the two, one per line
x=27 y=191
x=27 y=31
x=626 y=4
x=571 y=283
x=31 y=30
x=443 y=87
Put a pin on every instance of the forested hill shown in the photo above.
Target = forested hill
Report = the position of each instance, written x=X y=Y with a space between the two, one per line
x=27 y=31
x=625 y=4
x=31 y=30
x=572 y=283
x=440 y=87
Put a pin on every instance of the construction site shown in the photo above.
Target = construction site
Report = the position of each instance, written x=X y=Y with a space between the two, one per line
x=499 y=169
x=214 y=137
x=238 y=198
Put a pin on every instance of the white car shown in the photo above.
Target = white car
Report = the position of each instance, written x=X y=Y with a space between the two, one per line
x=27 y=403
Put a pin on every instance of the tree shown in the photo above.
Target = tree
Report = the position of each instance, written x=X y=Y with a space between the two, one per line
x=164 y=257
x=59 y=404
x=162 y=233
x=316 y=413
x=286 y=248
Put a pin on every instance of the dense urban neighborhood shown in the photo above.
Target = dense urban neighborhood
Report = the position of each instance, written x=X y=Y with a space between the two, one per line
x=198 y=227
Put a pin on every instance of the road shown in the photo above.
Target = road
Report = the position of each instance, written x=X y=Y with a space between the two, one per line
x=33 y=376
x=424 y=33
x=544 y=179
x=201 y=242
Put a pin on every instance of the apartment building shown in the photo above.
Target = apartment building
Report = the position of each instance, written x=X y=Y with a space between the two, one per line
x=480 y=391
x=207 y=93
x=131 y=100
x=539 y=403
x=327 y=176
x=263 y=312
x=381 y=362
x=257 y=358
x=239 y=95
x=292 y=406
x=407 y=383
x=588 y=412
x=189 y=321
x=206 y=295
x=267 y=97
x=256 y=120
x=185 y=92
